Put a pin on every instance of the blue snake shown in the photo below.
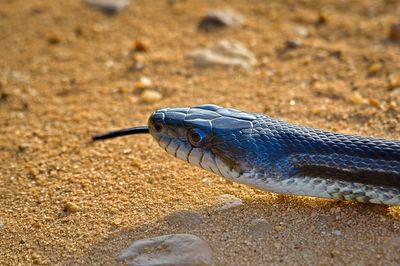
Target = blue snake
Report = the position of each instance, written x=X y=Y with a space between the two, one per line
x=273 y=155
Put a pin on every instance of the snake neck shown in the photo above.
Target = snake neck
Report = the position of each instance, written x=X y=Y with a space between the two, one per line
x=305 y=161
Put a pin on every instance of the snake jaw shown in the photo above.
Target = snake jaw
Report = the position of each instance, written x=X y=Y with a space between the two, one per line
x=200 y=157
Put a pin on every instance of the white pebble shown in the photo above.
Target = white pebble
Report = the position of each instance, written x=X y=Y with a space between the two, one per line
x=338 y=232
x=227 y=201
x=150 y=96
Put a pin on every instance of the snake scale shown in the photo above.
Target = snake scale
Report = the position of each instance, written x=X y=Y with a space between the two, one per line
x=272 y=155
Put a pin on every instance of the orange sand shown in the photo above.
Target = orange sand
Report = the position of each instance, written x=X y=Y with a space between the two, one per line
x=66 y=72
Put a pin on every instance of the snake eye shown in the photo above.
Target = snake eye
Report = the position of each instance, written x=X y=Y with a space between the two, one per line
x=196 y=137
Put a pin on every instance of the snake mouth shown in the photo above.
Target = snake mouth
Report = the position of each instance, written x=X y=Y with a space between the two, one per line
x=206 y=159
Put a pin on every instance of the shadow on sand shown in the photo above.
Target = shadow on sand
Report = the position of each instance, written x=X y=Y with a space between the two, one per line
x=308 y=227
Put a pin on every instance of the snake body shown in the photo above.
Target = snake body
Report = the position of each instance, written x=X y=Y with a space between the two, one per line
x=276 y=156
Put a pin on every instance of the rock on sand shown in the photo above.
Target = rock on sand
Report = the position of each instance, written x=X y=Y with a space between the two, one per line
x=179 y=249
x=224 y=54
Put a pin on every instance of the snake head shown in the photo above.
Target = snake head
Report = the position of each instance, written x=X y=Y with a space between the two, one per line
x=207 y=136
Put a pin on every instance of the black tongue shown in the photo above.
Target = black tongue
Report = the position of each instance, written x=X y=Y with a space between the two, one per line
x=121 y=132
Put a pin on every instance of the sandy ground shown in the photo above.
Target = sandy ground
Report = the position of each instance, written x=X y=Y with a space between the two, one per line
x=67 y=71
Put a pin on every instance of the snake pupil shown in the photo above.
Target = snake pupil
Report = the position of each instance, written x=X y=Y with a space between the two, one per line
x=196 y=137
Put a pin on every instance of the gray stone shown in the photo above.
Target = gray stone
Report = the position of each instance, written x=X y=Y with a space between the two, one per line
x=217 y=19
x=224 y=54
x=179 y=249
x=110 y=7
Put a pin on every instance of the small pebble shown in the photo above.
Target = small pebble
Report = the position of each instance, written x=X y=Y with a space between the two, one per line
x=356 y=98
x=54 y=39
x=110 y=64
x=109 y=7
x=372 y=102
x=36 y=259
x=278 y=228
x=293 y=44
x=301 y=31
x=117 y=221
x=144 y=83
x=71 y=207
x=138 y=63
x=227 y=201
x=140 y=46
x=337 y=54
x=335 y=253
x=19 y=76
x=317 y=110
x=150 y=96
x=394 y=80
x=127 y=151
x=138 y=163
x=4 y=96
x=178 y=249
x=322 y=18
x=374 y=68
x=394 y=33
x=396 y=92
x=218 y=19
x=337 y=232
x=98 y=27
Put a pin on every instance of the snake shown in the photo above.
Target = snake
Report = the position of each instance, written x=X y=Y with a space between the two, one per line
x=276 y=156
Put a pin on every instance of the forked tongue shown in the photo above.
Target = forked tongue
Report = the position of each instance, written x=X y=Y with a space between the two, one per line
x=121 y=132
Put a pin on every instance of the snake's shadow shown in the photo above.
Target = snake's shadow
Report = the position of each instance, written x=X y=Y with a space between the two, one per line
x=291 y=223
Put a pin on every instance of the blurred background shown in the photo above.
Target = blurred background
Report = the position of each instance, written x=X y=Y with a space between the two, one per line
x=72 y=68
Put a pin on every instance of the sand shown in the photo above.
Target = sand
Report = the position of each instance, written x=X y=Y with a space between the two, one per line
x=67 y=71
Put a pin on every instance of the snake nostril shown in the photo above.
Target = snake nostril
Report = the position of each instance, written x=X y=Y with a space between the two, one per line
x=158 y=127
